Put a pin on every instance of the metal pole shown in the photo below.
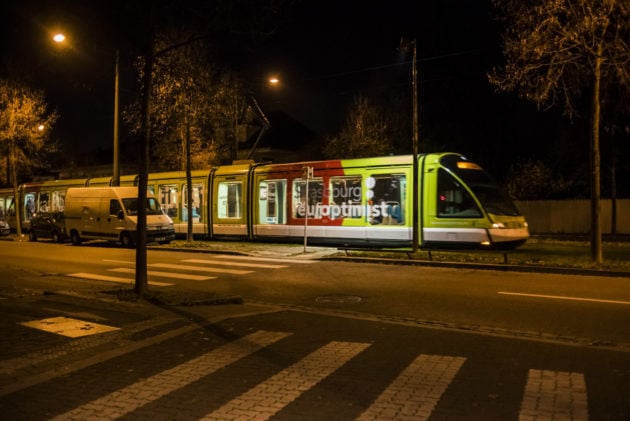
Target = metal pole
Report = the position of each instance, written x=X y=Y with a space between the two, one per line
x=416 y=181
x=306 y=212
x=116 y=171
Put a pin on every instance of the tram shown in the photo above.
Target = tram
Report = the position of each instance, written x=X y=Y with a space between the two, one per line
x=352 y=202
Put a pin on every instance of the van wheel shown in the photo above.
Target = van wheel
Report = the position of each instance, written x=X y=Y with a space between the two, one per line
x=32 y=236
x=56 y=237
x=76 y=240
x=126 y=240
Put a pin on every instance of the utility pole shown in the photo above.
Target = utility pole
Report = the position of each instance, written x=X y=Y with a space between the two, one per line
x=416 y=182
x=405 y=45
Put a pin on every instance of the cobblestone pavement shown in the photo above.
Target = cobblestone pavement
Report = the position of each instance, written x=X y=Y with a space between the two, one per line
x=256 y=361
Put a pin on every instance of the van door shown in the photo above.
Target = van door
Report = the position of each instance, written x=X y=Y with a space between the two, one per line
x=111 y=223
x=90 y=221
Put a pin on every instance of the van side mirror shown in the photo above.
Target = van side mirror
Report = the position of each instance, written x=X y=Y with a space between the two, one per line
x=120 y=214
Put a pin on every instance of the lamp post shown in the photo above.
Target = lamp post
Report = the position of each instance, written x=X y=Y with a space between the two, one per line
x=116 y=169
x=60 y=38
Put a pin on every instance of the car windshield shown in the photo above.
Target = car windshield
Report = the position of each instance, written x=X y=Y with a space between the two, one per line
x=131 y=206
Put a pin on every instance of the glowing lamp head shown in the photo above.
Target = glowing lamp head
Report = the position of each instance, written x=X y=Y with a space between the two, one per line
x=59 y=38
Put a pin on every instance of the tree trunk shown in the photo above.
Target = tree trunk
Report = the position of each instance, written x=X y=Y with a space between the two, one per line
x=189 y=208
x=596 y=227
x=613 y=189
x=16 y=201
x=141 y=241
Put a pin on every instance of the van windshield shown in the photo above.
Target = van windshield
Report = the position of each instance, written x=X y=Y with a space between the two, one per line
x=131 y=206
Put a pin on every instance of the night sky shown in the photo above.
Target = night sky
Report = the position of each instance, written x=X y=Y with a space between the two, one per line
x=325 y=52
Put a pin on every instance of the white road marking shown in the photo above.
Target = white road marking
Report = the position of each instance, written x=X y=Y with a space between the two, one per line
x=120 y=262
x=224 y=263
x=264 y=259
x=269 y=397
x=136 y=395
x=562 y=297
x=69 y=327
x=417 y=390
x=554 y=395
x=106 y=278
x=200 y=269
x=166 y=274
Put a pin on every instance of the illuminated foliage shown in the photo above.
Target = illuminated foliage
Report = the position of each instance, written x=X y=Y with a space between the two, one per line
x=24 y=127
x=182 y=98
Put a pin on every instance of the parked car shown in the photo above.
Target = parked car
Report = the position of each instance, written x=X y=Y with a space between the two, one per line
x=5 y=229
x=48 y=225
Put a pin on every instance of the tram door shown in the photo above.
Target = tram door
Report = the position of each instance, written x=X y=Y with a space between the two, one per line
x=229 y=206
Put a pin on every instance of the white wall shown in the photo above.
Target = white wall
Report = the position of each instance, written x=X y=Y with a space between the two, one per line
x=572 y=216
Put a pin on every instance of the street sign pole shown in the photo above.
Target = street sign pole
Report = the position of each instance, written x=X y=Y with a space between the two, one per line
x=307 y=173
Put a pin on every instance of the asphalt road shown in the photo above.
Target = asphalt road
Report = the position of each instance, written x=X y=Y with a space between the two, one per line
x=311 y=341
x=586 y=309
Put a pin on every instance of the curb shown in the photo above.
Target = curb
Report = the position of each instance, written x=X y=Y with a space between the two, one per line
x=484 y=266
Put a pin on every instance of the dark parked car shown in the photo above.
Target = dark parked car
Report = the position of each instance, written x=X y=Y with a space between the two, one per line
x=48 y=225
x=4 y=227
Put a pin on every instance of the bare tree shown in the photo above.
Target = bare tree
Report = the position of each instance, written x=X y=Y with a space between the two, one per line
x=25 y=124
x=558 y=52
x=365 y=133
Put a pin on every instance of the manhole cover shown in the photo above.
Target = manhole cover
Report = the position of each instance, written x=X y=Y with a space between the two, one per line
x=338 y=299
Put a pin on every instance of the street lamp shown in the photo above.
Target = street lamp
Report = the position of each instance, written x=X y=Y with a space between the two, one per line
x=405 y=45
x=60 y=38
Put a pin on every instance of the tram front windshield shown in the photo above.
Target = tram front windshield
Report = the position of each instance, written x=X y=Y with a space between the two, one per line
x=491 y=197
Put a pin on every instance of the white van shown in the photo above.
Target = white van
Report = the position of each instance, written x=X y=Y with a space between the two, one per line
x=110 y=213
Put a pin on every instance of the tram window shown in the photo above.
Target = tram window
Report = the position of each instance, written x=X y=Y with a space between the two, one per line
x=10 y=206
x=230 y=196
x=197 y=196
x=168 y=199
x=453 y=199
x=29 y=205
x=346 y=192
x=386 y=194
x=271 y=202
x=57 y=201
x=315 y=190
x=44 y=202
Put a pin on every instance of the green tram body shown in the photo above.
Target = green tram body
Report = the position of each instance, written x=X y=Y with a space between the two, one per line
x=356 y=202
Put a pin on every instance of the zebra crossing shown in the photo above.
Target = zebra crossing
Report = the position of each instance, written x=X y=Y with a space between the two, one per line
x=160 y=273
x=414 y=394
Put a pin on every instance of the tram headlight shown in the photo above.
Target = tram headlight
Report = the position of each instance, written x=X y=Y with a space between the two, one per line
x=498 y=225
